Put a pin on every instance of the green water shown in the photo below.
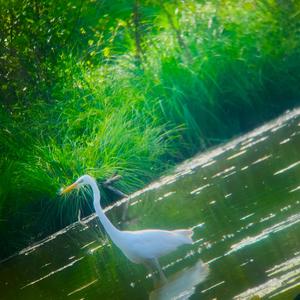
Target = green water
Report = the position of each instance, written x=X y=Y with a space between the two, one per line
x=243 y=201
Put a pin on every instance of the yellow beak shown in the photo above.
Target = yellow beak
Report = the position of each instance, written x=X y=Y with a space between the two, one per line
x=69 y=188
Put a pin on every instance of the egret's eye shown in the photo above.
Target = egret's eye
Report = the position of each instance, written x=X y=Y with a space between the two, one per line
x=80 y=181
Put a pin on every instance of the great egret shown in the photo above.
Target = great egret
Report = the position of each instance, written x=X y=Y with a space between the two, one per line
x=142 y=246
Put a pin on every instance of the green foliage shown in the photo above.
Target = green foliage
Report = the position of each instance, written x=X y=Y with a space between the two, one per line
x=130 y=87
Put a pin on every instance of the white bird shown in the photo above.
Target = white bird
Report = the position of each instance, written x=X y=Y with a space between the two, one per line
x=141 y=246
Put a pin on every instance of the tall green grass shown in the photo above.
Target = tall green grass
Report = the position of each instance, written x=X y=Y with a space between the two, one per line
x=208 y=71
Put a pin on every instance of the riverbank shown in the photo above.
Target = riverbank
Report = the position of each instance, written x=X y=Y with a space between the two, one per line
x=188 y=76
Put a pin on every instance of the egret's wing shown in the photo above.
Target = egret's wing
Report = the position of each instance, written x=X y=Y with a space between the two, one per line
x=156 y=243
x=186 y=234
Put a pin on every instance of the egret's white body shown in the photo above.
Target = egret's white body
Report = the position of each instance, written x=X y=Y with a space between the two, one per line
x=142 y=246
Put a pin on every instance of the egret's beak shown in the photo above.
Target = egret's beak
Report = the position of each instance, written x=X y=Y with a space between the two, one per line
x=69 y=188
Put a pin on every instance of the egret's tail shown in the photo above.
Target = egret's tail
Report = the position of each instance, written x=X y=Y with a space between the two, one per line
x=186 y=234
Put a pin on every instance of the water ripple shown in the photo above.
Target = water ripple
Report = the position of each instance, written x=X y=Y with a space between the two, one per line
x=284 y=141
x=246 y=217
x=236 y=155
x=199 y=189
x=261 y=159
x=277 y=285
x=287 y=168
x=83 y=287
x=295 y=189
x=292 y=220
x=53 y=272
x=223 y=172
x=212 y=287
x=254 y=143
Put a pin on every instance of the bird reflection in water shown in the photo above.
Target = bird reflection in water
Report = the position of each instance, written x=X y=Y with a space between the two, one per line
x=182 y=284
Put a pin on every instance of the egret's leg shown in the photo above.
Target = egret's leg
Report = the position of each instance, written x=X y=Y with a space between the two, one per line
x=149 y=266
x=160 y=271
x=125 y=210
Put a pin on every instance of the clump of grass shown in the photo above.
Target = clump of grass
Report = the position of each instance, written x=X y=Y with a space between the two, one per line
x=101 y=128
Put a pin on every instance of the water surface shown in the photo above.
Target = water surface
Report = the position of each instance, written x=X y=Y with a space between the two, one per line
x=242 y=200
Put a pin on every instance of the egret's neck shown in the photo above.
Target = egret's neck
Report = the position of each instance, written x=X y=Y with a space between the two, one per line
x=111 y=230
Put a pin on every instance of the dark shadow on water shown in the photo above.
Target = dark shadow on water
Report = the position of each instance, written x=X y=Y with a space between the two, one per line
x=182 y=284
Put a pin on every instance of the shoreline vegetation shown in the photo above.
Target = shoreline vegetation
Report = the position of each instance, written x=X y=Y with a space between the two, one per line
x=130 y=88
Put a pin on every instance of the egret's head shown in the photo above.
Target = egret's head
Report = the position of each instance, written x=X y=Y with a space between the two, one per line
x=81 y=181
